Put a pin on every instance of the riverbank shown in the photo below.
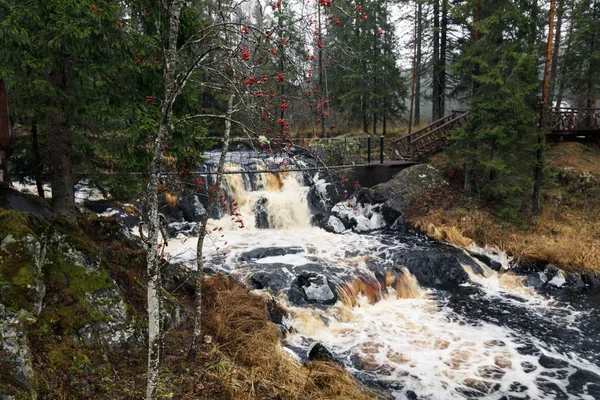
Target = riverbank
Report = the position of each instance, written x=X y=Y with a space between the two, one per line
x=566 y=234
x=73 y=321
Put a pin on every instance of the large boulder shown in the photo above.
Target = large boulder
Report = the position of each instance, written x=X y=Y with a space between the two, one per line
x=436 y=268
x=311 y=288
x=404 y=188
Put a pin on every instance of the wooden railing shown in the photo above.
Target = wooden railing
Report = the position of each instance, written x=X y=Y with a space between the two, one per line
x=575 y=120
x=429 y=139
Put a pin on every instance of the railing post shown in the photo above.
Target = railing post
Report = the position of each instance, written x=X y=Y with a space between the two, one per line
x=411 y=148
x=369 y=149
x=381 y=149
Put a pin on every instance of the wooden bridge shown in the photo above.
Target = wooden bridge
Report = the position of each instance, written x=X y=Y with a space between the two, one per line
x=575 y=122
x=429 y=139
x=564 y=122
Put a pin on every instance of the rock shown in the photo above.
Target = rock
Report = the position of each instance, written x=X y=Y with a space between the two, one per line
x=263 y=252
x=192 y=209
x=311 y=288
x=435 y=268
x=558 y=280
x=261 y=214
x=537 y=280
x=591 y=279
x=15 y=357
x=187 y=229
x=319 y=207
x=178 y=277
x=404 y=188
x=319 y=352
x=275 y=279
x=335 y=225
x=21 y=262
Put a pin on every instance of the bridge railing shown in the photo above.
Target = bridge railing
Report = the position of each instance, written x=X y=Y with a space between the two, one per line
x=567 y=120
x=428 y=138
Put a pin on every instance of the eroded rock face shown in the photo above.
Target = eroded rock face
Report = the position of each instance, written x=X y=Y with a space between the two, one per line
x=18 y=377
x=404 y=188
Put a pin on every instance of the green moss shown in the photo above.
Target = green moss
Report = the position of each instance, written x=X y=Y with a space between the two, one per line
x=24 y=276
x=14 y=223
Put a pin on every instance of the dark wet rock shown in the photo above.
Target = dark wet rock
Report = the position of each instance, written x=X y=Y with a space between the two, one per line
x=261 y=213
x=14 y=200
x=553 y=363
x=264 y=252
x=537 y=280
x=528 y=367
x=404 y=188
x=319 y=352
x=592 y=280
x=191 y=208
x=584 y=381
x=434 y=268
x=178 y=277
x=277 y=313
x=98 y=206
x=528 y=350
x=575 y=280
x=319 y=206
x=311 y=288
x=188 y=229
x=15 y=357
x=495 y=265
x=274 y=279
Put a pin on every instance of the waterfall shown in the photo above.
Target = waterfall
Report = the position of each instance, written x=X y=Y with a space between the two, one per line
x=286 y=204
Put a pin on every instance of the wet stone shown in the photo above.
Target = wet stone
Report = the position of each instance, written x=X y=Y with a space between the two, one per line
x=264 y=252
x=549 y=362
x=528 y=367
x=528 y=350
x=490 y=372
x=518 y=387
x=319 y=352
x=551 y=389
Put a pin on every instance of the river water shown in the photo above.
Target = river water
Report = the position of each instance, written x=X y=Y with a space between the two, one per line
x=488 y=337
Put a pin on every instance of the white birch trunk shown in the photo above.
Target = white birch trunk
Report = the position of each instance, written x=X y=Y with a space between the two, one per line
x=197 y=334
x=152 y=253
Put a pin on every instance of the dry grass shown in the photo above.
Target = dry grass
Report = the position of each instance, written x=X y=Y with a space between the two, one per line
x=251 y=359
x=565 y=236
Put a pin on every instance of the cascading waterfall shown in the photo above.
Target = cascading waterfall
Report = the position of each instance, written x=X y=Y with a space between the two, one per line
x=489 y=337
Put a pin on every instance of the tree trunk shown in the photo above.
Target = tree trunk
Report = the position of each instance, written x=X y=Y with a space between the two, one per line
x=417 y=101
x=442 y=67
x=197 y=333
x=562 y=78
x=435 y=98
x=537 y=187
x=152 y=245
x=5 y=135
x=59 y=148
x=321 y=77
x=37 y=160
x=556 y=52
x=414 y=73
x=469 y=167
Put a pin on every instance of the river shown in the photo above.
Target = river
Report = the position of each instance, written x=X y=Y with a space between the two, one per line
x=413 y=336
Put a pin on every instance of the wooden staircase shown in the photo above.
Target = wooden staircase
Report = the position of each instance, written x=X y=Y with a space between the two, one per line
x=429 y=139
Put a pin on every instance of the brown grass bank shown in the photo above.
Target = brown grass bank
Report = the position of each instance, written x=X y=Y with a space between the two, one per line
x=567 y=233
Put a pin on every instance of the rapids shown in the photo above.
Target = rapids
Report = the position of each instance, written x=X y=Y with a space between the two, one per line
x=490 y=336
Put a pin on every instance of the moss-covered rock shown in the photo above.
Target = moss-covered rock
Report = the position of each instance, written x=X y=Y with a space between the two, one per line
x=22 y=256
x=18 y=378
